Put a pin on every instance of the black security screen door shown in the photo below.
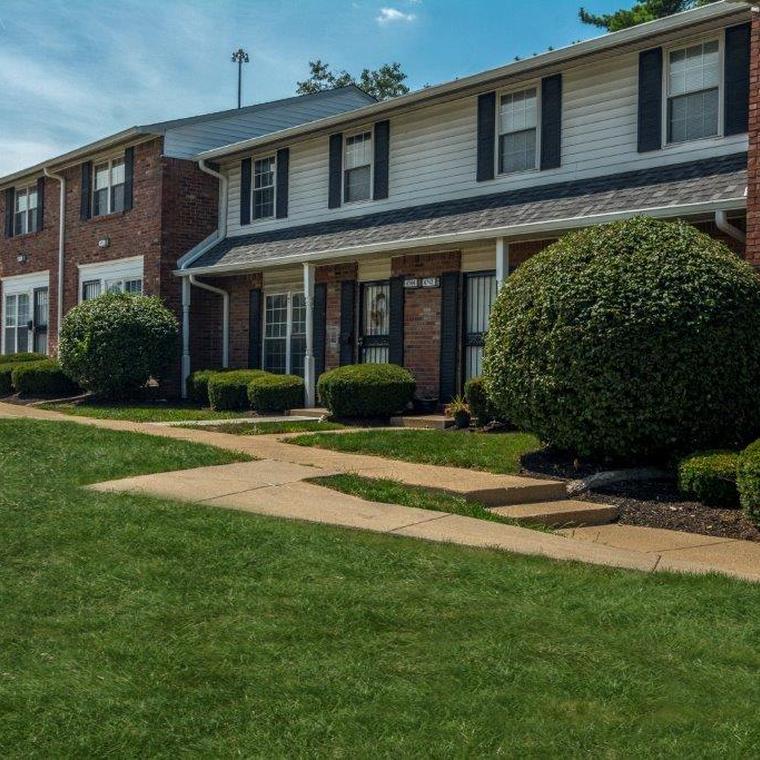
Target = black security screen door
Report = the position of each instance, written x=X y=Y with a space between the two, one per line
x=40 y=320
x=479 y=295
x=375 y=322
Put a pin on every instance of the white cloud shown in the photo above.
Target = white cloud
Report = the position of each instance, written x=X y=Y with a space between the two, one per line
x=394 y=15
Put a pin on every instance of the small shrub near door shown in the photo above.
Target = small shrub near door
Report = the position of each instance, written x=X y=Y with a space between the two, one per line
x=228 y=391
x=114 y=344
x=42 y=379
x=270 y=394
x=366 y=390
x=481 y=408
x=710 y=477
x=197 y=385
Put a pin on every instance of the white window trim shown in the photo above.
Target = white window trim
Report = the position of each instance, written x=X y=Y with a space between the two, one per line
x=110 y=161
x=353 y=133
x=682 y=45
x=530 y=85
x=21 y=285
x=120 y=270
x=254 y=159
x=289 y=331
x=25 y=189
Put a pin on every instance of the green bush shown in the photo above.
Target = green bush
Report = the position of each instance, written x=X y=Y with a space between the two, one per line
x=366 y=390
x=710 y=477
x=275 y=393
x=24 y=356
x=634 y=340
x=228 y=391
x=748 y=481
x=114 y=344
x=197 y=385
x=6 y=379
x=42 y=379
x=481 y=408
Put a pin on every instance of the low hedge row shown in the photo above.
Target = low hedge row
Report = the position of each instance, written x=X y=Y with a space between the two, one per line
x=228 y=391
x=242 y=389
x=42 y=378
x=366 y=390
x=23 y=356
x=271 y=394
x=710 y=477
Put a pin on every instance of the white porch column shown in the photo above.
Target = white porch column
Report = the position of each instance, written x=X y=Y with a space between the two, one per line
x=502 y=261
x=186 y=290
x=310 y=395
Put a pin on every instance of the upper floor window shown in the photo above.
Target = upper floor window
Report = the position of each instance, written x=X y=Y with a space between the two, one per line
x=357 y=173
x=263 y=188
x=93 y=288
x=108 y=193
x=25 y=213
x=693 y=94
x=518 y=128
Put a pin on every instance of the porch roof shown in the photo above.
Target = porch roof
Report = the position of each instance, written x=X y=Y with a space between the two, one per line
x=684 y=189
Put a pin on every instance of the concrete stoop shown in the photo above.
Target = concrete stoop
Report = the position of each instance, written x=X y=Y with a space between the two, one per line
x=560 y=514
x=422 y=421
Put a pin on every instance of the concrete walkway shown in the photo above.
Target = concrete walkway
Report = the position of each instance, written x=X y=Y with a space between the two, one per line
x=274 y=485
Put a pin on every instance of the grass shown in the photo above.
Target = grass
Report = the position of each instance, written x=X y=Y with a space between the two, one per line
x=493 y=452
x=271 y=428
x=136 y=627
x=393 y=492
x=135 y=412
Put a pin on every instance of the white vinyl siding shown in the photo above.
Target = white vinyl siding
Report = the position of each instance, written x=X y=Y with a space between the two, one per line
x=433 y=149
x=119 y=276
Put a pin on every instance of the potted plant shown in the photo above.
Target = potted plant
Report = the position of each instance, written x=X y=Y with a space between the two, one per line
x=459 y=411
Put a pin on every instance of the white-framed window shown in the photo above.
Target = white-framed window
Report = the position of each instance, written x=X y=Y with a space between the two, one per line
x=25 y=212
x=119 y=276
x=518 y=131
x=357 y=167
x=25 y=311
x=284 y=349
x=264 y=182
x=693 y=92
x=108 y=187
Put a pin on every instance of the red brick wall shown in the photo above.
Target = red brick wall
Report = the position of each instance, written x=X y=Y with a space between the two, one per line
x=422 y=316
x=753 y=162
x=333 y=276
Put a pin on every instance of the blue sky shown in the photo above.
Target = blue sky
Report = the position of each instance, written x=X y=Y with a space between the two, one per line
x=73 y=71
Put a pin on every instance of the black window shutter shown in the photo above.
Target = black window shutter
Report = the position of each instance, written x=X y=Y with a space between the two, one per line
x=245 y=191
x=486 y=135
x=40 y=203
x=396 y=322
x=254 y=329
x=650 y=100
x=736 y=82
x=551 y=122
x=10 y=208
x=382 y=159
x=129 y=178
x=347 y=319
x=336 y=170
x=320 y=328
x=283 y=171
x=85 y=206
x=449 y=335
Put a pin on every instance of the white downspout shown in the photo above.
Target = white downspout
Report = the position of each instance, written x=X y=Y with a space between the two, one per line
x=61 y=240
x=309 y=369
x=722 y=223
x=188 y=281
x=502 y=261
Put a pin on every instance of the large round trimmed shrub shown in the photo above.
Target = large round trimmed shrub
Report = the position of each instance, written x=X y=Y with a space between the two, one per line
x=114 y=344
x=366 y=390
x=632 y=340
x=710 y=477
x=275 y=393
x=228 y=391
x=42 y=379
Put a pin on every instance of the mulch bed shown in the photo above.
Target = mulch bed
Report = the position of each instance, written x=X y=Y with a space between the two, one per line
x=648 y=503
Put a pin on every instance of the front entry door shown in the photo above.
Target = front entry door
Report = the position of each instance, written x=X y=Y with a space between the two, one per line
x=479 y=295
x=40 y=320
x=374 y=340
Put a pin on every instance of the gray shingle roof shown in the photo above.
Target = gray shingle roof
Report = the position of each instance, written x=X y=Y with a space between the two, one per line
x=715 y=179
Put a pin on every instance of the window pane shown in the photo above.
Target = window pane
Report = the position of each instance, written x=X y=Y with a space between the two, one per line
x=114 y=286
x=358 y=150
x=117 y=198
x=32 y=199
x=10 y=311
x=375 y=317
x=276 y=316
x=22 y=331
x=275 y=355
x=100 y=202
x=19 y=223
x=10 y=340
x=133 y=286
x=518 y=111
x=691 y=117
x=41 y=307
x=117 y=172
x=101 y=176
x=90 y=290
x=263 y=173
x=21 y=200
x=263 y=203
x=518 y=151
x=358 y=184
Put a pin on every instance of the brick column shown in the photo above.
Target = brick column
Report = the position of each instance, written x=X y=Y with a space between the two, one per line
x=753 y=159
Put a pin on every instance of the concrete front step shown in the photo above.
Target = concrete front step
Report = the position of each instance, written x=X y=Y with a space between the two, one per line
x=564 y=513
x=423 y=421
x=313 y=412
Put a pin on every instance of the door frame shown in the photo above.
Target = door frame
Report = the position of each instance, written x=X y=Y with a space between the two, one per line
x=468 y=340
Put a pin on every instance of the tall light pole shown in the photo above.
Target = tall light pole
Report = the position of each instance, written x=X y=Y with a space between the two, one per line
x=240 y=57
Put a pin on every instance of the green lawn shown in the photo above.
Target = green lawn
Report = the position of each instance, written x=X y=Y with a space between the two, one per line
x=144 y=412
x=494 y=452
x=393 y=492
x=271 y=428
x=136 y=627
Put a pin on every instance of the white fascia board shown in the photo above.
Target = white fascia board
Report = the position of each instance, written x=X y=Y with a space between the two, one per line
x=605 y=42
x=466 y=236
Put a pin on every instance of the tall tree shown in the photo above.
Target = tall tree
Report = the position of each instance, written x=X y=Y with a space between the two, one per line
x=644 y=10
x=383 y=83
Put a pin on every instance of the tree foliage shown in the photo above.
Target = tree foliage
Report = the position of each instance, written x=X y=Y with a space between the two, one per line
x=646 y=10
x=383 y=83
